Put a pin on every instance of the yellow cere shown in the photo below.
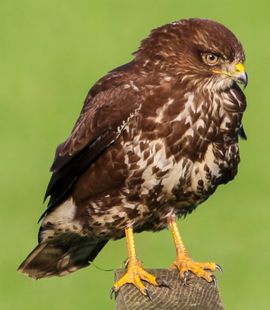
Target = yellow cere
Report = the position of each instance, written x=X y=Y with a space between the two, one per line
x=239 y=68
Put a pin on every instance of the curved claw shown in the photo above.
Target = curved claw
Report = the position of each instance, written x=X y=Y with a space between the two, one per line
x=125 y=263
x=163 y=283
x=219 y=268
x=185 y=277
x=148 y=294
x=112 y=292
x=214 y=280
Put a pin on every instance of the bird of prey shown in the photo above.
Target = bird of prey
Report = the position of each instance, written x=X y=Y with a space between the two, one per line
x=154 y=139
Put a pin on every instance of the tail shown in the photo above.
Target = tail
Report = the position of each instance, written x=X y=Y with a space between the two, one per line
x=59 y=258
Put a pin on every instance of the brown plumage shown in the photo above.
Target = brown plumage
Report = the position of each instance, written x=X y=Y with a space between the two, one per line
x=154 y=139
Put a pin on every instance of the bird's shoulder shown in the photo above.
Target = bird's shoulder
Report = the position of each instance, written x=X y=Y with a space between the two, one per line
x=108 y=106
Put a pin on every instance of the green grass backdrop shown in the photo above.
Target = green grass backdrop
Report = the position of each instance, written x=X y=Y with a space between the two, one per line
x=51 y=52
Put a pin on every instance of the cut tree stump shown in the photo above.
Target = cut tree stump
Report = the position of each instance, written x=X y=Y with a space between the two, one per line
x=196 y=294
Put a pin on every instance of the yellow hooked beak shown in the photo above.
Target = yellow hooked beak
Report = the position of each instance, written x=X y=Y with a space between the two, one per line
x=237 y=72
x=240 y=74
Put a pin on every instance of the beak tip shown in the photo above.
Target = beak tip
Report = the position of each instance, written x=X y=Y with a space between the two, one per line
x=243 y=79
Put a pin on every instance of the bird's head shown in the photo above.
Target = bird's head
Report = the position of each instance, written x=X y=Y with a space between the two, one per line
x=201 y=51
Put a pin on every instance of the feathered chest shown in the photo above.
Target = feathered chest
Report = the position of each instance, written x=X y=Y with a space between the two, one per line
x=184 y=145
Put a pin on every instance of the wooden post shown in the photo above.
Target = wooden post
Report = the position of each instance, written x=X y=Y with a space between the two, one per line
x=196 y=294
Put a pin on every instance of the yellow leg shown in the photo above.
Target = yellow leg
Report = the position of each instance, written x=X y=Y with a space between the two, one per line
x=135 y=273
x=184 y=263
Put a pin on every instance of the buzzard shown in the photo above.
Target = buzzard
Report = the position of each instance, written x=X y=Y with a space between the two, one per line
x=154 y=139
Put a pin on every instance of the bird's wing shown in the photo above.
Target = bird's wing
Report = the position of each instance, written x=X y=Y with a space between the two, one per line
x=100 y=124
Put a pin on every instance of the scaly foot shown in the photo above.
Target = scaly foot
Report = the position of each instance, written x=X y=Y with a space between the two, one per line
x=134 y=275
x=202 y=270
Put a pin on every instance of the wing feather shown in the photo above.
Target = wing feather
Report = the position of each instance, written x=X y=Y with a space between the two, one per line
x=97 y=129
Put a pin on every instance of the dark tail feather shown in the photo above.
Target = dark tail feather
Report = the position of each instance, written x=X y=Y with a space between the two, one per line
x=55 y=258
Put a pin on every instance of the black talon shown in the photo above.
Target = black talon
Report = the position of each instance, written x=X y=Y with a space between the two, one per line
x=186 y=276
x=125 y=263
x=148 y=294
x=112 y=292
x=219 y=268
x=214 y=280
x=163 y=283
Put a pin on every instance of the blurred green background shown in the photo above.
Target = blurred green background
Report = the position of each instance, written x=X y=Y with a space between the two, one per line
x=51 y=52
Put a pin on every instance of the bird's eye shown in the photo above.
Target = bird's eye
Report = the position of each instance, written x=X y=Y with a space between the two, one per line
x=210 y=58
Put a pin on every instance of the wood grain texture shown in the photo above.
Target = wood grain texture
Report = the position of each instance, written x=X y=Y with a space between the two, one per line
x=197 y=294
